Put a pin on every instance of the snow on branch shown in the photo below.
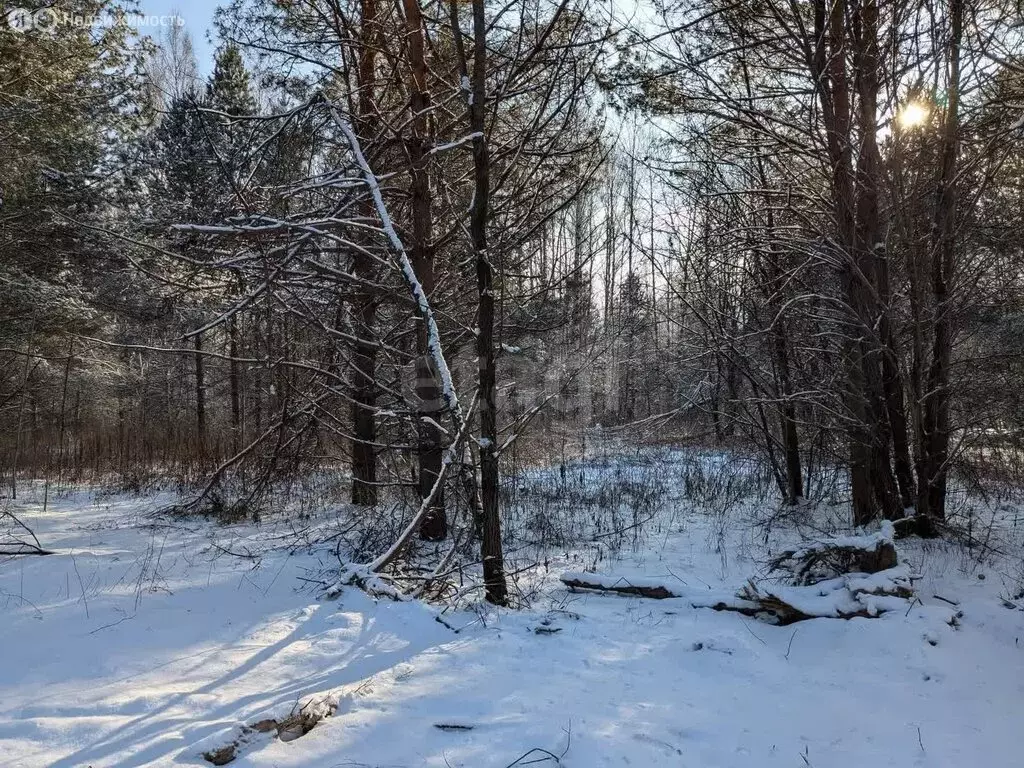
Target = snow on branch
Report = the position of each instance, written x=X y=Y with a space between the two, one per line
x=402 y=257
x=457 y=143
x=434 y=348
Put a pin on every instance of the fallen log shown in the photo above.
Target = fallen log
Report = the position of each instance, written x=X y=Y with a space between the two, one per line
x=848 y=596
x=20 y=548
x=620 y=585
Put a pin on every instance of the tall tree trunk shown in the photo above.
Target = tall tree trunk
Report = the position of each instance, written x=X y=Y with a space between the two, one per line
x=21 y=412
x=936 y=426
x=235 y=377
x=870 y=258
x=200 y=364
x=788 y=423
x=896 y=383
x=769 y=258
x=487 y=517
x=364 y=399
x=895 y=405
x=428 y=390
x=491 y=554
x=829 y=69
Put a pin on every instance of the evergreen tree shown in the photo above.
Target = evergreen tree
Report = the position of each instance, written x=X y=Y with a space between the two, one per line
x=69 y=115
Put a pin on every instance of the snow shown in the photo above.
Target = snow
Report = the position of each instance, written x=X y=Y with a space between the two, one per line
x=816 y=602
x=848 y=594
x=142 y=643
x=878 y=582
x=457 y=143
x=868 y=542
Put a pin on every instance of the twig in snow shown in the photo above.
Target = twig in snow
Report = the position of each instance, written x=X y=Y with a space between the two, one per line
x=535 y=751
x=24 y=600
x=790 y=646
x=232 y=553
x=80 y=584
x=761 y=639
x=521 y=760
x=444 y=623
x=913 y=602
x=112 y=624
x=678 y=578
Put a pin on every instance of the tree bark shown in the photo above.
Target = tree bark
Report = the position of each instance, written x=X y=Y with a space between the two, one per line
x=200 y=398
x=829 y=69
x=936 y=426
x=364 y=396
x=491 y=554
x=428 y=390
x=870 y=258
x=235 y=377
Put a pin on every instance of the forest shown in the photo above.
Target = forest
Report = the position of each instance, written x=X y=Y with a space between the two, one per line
x=473 y=382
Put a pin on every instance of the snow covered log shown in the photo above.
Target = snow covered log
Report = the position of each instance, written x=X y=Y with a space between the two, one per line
x=851 y=595
x=619 y=584
x=837 y=555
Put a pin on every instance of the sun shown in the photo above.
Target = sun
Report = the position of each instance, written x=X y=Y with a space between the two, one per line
x=913 y=115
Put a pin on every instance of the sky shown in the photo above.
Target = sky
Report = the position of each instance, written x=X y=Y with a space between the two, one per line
x=198 y=16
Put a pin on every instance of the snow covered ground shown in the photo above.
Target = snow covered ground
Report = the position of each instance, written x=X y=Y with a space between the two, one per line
x=143 y=642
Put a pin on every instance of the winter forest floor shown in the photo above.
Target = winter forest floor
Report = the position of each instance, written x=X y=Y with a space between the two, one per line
x=148 y=641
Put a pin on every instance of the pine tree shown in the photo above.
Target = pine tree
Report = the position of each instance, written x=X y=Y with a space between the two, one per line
x=70 y=112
